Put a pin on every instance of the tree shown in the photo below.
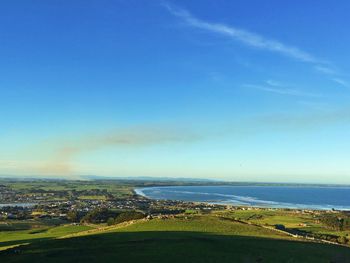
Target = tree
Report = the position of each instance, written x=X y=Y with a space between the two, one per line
x=342 y=240
x=128 y=216
x=99 y=215
x=333 y=221
x=110 y=221
x=73 y=216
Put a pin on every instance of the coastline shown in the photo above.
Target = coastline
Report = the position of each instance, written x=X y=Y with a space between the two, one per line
x=236 y=200
x=139 y=191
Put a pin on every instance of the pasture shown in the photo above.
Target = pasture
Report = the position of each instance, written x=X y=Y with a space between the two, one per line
x=193 y=238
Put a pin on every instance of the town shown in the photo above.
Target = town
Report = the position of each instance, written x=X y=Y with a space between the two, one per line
x=58 y=204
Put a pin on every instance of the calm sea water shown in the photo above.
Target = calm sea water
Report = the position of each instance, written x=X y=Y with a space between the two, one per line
x=263 y=196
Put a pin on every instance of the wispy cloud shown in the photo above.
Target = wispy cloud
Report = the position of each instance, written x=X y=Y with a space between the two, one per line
x=258 y=41
x=243 y=36
x=334 y=75
x=341 y=82
x=305 y=121
x=281 y=89
x=315 y=105
x=325 y=70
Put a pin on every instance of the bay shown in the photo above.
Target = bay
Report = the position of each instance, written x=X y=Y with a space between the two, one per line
x=296 y=197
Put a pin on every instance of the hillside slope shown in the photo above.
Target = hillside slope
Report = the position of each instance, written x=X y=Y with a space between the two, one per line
x=184 y=239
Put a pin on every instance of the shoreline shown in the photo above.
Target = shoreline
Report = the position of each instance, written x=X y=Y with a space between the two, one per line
x=264 y=204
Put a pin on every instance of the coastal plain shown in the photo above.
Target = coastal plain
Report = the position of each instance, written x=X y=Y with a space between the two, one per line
x=119 y=226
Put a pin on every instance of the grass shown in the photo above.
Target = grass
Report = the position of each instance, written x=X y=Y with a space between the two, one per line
x=203 y=224
x=17 y=225
x=290 y=219
x=117 y=189
x=190 y=238
x=10 y=238
x=323 y=230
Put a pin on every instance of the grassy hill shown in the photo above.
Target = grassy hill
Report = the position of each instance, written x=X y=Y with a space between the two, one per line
x=195 y=238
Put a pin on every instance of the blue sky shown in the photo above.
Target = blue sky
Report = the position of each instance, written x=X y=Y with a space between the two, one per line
x=232 y=90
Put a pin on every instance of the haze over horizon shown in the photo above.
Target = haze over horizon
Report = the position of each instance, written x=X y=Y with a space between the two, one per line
x=229 y=90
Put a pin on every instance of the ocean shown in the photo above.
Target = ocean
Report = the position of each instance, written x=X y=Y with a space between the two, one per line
x=296 y=197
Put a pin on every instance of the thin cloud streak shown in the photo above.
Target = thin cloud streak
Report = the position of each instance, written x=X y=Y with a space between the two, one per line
x=305 y=122
x=281 y=90
x=341 y=82
x=333 y=74
x=243 y=36
x=325 y=70
x=257 y=41
x=318 y=106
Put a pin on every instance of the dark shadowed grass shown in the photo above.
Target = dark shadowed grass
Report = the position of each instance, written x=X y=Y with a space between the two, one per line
x=162 y=246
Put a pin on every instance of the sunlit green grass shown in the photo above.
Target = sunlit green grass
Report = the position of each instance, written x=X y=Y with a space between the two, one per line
x=13 y=237
x=290 y=219
x=115 y=188
x=204 y=224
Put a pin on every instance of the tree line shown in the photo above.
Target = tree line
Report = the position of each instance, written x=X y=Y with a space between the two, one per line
x=104 y=215
x=338 y=222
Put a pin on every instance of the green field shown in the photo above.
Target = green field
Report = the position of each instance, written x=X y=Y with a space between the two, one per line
x=290 y=219
x=11 y=238
x=190 y=238
x=118 y=189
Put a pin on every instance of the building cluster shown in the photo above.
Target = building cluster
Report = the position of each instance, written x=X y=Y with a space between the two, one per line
x=58 y=204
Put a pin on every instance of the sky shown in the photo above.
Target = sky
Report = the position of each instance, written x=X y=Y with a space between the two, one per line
x=242 y=90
